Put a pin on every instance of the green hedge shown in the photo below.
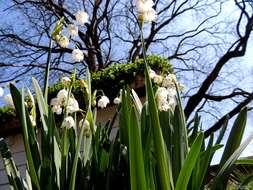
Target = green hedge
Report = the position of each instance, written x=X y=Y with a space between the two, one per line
x=110 y=80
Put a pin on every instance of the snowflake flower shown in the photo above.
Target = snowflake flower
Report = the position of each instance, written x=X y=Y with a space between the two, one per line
x=82 y=17
x=69 y=122
x=149 y=16
x=117 y=100
x=65 y=81
x=162 y=94
x=57 y=109
x=56 y=106
x=63 y=41
x=163 y=105
x=62 y=95
x=152 y=74
x=72 y=30
x=168 y=81
x=77 y=55
x=144 y=5
x=146 y=11
x=72 y=106
x=158 y=79
x=103 y=101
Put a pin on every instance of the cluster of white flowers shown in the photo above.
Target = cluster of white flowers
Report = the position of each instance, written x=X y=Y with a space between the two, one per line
x=62 y=100
x=81 y=18
x=103 y=101
x=167 y=81
x=166 y=98
x=166 y=92
x=146 y=11
x=1 y=91
x=77 y=55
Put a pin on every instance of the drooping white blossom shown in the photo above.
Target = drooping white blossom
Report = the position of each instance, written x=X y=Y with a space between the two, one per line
x=8 y=100
x=69 y=122
x=149 y=16
x=1 y=91
x=63 y=41
x=82 y=17
x=72 y=30
x=54 y=101
x=57 y=109
x=103 y=101
x=146 y=11
x=62 y=95
x=162 y=94
x=117 y=100
x=65 y=81
x=144 y=5
x=86 y=124
x=56 y=106
x=168 y=81
x=72 y=105
x=163 y=105
x=158 y=79
x=152 y=74
x=83 y=124
x=77 y=55
x=172 y=92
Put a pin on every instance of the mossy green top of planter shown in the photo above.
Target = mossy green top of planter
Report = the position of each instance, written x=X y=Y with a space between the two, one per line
x=110 y=80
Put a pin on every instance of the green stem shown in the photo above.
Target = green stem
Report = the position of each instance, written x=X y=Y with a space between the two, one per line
x=47 y=70
x=74 y=168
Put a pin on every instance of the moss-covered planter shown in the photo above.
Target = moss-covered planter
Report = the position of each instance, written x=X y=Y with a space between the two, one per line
x=110 y=80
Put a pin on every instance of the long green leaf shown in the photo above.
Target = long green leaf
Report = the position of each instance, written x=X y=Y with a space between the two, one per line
x=43 y=108
x=189 y=163
x=137 y=172
x=235 y=136
x=124 y=117
x=20 y=110
x=160 y=148
x=244 y=161
x=205 y=160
